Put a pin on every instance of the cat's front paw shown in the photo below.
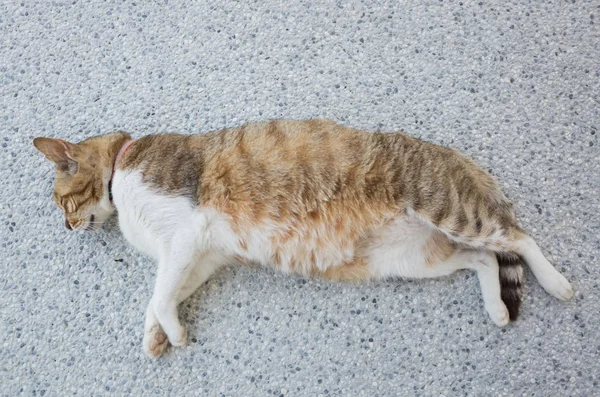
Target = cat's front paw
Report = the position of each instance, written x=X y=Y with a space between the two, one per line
x=181 y=337
x=155 y=342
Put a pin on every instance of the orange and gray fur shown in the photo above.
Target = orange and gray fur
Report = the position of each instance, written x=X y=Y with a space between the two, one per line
x=310 y=197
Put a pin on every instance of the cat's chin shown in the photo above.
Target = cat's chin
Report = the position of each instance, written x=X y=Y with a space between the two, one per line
x=94 y=223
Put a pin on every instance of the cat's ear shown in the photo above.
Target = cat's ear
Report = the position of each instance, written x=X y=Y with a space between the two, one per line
x=59 y=152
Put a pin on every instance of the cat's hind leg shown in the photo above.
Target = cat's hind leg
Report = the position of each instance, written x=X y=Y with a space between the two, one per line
x=550 y=279
x=486 y=266
x=408 y=247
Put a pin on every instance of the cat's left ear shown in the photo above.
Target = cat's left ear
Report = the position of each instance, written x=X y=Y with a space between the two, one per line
x=59 y=152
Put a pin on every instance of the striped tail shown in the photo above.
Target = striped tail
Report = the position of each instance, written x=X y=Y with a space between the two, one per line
x=512 y=277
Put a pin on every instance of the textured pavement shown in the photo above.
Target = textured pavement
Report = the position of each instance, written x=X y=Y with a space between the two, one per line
x=515 y=85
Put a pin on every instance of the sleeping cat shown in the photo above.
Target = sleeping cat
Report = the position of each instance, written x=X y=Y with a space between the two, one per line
x=310 y=197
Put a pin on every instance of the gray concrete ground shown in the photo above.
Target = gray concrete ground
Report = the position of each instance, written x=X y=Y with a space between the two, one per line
x=513 y=84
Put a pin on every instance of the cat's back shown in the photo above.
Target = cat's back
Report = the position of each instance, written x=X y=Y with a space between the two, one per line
x=293 y=165
x=298 y=165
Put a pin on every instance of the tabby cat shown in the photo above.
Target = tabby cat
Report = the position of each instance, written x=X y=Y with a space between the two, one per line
x=311 y=197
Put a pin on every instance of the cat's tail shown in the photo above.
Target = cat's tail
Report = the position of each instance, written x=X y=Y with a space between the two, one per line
x=512 y=277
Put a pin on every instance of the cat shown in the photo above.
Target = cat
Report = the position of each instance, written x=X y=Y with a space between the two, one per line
x=310 y=197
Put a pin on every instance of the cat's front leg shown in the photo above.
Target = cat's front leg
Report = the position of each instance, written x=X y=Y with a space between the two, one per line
x=176 y=262
x=155 y=338
x=175 y=276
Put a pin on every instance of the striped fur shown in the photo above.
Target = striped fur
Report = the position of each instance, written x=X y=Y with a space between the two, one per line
x=512 y=278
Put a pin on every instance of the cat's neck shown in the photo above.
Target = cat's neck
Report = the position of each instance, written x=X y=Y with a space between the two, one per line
x=121 y=152
x=118 y=157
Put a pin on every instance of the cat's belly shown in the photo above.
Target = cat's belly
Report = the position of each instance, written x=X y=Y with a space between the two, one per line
x=406 y=247
x=299 y=248
x=400 y=247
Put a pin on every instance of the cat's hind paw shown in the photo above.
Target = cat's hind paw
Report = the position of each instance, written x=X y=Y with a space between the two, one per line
x=155 y=342
x=499 y=314
x=557 y=285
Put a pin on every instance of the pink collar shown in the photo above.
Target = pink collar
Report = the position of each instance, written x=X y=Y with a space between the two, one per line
x=124 y=148
x=118 y=157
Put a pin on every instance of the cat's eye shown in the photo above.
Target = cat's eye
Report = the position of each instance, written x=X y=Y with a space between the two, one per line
x=59 y=205
x=67 y=206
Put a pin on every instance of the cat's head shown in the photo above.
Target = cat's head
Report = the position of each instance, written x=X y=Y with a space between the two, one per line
x=83 y=173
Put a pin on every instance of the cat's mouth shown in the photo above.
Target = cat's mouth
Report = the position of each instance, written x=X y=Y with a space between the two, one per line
x=86 y=225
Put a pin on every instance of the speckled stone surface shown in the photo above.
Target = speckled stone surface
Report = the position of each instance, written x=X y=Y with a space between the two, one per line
x=513 y=84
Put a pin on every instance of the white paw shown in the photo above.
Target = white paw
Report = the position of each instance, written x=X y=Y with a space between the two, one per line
x=556 y=285
x=498 y=313
x=181 y=338
x=155 y=342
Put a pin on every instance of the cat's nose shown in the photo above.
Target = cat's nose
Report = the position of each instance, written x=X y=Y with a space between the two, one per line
x=67 y=224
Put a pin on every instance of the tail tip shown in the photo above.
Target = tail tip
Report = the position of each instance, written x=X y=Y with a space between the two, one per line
x=513 y=310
